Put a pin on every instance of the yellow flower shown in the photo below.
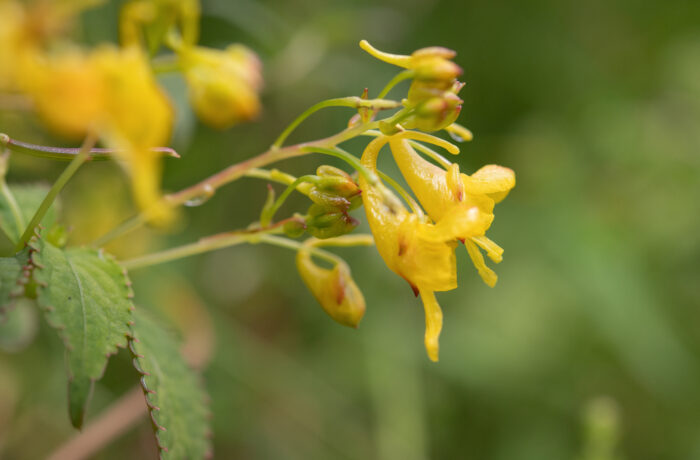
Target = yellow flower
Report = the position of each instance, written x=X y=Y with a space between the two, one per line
x=449 y=197
x=137 y=118
x=110 y=92
x=333 y=288
x=26 y=27
x=68 y=91
x=223 y=84
x=420 y=252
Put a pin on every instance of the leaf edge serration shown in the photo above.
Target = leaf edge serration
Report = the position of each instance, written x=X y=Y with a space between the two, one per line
x=37 y=269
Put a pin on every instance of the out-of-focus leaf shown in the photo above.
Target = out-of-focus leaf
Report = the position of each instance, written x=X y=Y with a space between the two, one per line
x=18 y=327
x=29 y=197
x=12 y=278
x=174 y=395
x=86 y=297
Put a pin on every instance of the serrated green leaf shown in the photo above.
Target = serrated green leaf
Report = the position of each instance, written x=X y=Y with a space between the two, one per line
x=28 y=197
x=175 y=397
x=13 y=276
x=85 y=294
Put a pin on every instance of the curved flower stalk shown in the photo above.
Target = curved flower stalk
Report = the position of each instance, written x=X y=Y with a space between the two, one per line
x=333 y=288
x=449 y=196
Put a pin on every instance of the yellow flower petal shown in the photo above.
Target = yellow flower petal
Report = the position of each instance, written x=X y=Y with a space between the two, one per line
x=433 y=323
x=493 y=180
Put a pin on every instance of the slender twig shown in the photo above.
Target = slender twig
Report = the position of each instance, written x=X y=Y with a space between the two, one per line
x=68 y=153
x=269 y=212
x=352 y=101
x=349 y=158
x=234 y=172
x=62 y=180
x=398 y=78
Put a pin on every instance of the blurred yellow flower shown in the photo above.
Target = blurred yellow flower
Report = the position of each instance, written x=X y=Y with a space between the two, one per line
x=26 y=27
x=138 y=118
x=334 y=288
x=111 y=92
x=223 y=84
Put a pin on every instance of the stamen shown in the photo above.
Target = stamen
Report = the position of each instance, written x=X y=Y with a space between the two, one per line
x=485 y=272
x=494 y=251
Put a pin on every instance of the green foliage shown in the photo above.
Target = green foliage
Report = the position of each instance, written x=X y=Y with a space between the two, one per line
x=86 y=296
x=28 y=197
x=175 y=396
x=12 y=279
x=18 y=327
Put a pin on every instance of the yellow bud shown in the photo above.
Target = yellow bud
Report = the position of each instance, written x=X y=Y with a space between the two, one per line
x=435 y=113
x=333 y=288
x=224 y=84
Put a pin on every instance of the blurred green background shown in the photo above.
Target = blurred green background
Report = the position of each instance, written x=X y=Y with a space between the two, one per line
x=588 y=347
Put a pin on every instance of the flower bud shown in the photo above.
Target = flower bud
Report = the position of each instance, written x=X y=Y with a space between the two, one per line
x=328 y=221
x=294 y=228
x=437 y=69
x=435 y=114
x=223 y=85
x=334 y=289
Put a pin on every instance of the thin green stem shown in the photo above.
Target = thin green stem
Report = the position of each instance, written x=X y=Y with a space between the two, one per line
x=347 y=157
x=352 y=101
x=269 y=213
x=14 y=207
x=398 y=78
x=7 y=193
x=296 y=245
x=235 y=172
x=225 y=240
x=67 y=153
x=62 y=180
x=199 y=247
x=360 y=239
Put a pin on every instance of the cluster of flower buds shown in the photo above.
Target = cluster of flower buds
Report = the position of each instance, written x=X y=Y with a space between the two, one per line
x=334 y=193
x=433 y=92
